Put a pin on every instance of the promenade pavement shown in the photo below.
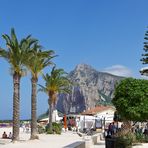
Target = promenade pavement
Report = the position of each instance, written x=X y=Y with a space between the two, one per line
x=50 y=141
x=142 y=145
x=101 y=144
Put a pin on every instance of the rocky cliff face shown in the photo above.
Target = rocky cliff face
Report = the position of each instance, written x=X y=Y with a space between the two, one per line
x=90 y=88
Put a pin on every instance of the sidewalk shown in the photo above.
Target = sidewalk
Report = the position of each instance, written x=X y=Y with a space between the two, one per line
x=101 y=144
x=142 y=145
x=51 y=141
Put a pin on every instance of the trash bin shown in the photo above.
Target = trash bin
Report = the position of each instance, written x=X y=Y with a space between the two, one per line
x=110 y=142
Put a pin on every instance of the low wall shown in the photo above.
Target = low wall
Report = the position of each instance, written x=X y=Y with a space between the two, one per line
x=90 y=141
x=78 y=144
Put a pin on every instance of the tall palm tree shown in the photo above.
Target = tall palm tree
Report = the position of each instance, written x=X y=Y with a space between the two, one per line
x=37 y=60
x=14 y=54
x=55 y=83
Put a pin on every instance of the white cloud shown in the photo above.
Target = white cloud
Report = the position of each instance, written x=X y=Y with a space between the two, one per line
x=118 y=70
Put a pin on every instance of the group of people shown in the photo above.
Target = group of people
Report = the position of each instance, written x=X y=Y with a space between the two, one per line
x=143 y=130
x=26 y=127
x=112 y=129
x=5 y=136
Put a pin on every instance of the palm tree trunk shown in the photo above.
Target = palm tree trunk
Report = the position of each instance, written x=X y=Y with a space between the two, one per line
x=50 y=114
x=16 y=106
x=33 y=109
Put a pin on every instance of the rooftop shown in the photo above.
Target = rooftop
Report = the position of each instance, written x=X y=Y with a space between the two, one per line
x=97 y=109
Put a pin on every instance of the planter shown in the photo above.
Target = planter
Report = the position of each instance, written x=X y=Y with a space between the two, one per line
x=123 y=143
x=112 y=142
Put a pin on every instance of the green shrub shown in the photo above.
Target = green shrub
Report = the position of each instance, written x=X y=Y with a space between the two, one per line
x=131 y=136
x=41 y=129
x=48 y=131
x=125 y=141
x=146 y=139
x=56 y=128
x=139 y=137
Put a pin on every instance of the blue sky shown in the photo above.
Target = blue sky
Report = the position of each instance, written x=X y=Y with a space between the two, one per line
x=106 y=34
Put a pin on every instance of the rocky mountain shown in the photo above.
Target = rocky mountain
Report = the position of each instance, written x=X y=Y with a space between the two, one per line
x=90 y=87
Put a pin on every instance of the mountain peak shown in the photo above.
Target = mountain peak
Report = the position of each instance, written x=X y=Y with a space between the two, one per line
x=91 y=88
x=83 y=67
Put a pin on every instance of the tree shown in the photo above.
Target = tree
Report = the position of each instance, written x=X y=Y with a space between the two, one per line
x=37 y=60
x=131 y=99
x=145 y=48
x=144 y=60
x=14 y=54
x=55 y=83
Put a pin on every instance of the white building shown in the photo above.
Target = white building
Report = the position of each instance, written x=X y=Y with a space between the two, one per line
x=55 y=117
x=97 y=117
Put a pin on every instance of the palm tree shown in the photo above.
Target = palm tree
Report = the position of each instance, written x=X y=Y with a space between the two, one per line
x=36 y=62
x=55 y=83
x=14 y=54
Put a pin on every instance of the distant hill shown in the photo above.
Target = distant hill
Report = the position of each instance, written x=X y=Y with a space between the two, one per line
x=91 y=87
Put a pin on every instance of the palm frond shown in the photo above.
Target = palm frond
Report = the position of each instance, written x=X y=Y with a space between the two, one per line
x=42 y=89
x=14 y=38
x=6 y=38
x=56 y=82
x=37 y=59
x=3 y=53
x=14 y=53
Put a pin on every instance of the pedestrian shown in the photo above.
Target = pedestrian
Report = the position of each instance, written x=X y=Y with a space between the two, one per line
x=10 y=135
x=4 y=135
x=109 y=132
